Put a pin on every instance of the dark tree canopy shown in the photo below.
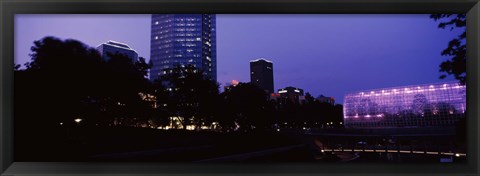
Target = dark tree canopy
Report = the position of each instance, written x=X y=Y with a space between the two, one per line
x=247 y=105
x=187 y=92
x=73 y=80
x=67 y=79
x=456 y=48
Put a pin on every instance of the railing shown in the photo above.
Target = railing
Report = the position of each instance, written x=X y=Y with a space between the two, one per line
x=377 y=150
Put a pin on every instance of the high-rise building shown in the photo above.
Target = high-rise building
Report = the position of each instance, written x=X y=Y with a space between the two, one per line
x=183 y=39
x=261 y=74
x=428 y=105
x=113 y=47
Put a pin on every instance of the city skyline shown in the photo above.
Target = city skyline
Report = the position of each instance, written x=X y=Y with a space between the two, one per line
x=342 y=49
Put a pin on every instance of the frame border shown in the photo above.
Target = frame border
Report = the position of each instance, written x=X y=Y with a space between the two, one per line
x=8 y=9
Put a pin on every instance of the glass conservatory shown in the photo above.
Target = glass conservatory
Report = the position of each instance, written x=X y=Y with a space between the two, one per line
x=440 y=104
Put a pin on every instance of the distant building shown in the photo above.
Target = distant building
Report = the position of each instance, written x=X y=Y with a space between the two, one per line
x=291 y=94
x=113 y=47
x=261 y=74
x=149 y=98
x=183 y=39
x=228 y=87
x=324 y=99
x=428 y=105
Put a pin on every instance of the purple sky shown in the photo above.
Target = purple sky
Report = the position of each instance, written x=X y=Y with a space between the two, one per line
x=322 y=54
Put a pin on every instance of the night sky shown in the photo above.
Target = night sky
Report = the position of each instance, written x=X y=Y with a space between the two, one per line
x=322 y=54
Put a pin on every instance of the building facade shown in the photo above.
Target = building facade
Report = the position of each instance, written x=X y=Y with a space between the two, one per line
x=113 y=47
x=324 y=99
x=429 y=105
x=291 y=94
x=261 y=74
x=183 y=39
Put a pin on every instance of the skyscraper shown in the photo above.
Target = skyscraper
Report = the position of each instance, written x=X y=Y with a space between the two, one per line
x=183 y=39
x=113 y=47
x=261 y=74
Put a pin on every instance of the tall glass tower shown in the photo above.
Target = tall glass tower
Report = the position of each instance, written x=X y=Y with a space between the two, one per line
x=183 y=39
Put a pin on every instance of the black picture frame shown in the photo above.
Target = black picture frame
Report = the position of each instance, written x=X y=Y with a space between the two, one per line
x=8 y=8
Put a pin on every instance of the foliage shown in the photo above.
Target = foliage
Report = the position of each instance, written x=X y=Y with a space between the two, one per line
x=456 y=48
x=66 y=80
x=246 y=105
x=186 y=92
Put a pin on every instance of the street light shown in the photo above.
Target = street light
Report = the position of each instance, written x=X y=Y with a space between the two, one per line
x=78 y=120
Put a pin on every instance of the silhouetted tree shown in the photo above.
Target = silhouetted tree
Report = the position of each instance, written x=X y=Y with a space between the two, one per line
x=247 y=105
x=190 y=94
x=66 y=79
x=58 y=85
x=309 y=98
x=61 y=75
x=456 y=49
x=16 y=67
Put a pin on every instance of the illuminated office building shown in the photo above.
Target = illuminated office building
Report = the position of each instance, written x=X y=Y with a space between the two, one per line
x=291 y=94
x=441 y=104
x=113 y=47
x=261 y=74
x=183 y=39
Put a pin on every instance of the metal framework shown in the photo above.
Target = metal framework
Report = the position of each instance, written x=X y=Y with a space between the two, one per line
x=440 y=104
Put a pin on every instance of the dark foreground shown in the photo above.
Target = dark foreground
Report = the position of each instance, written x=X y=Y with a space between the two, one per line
x=143 y=144
x=121 y=144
